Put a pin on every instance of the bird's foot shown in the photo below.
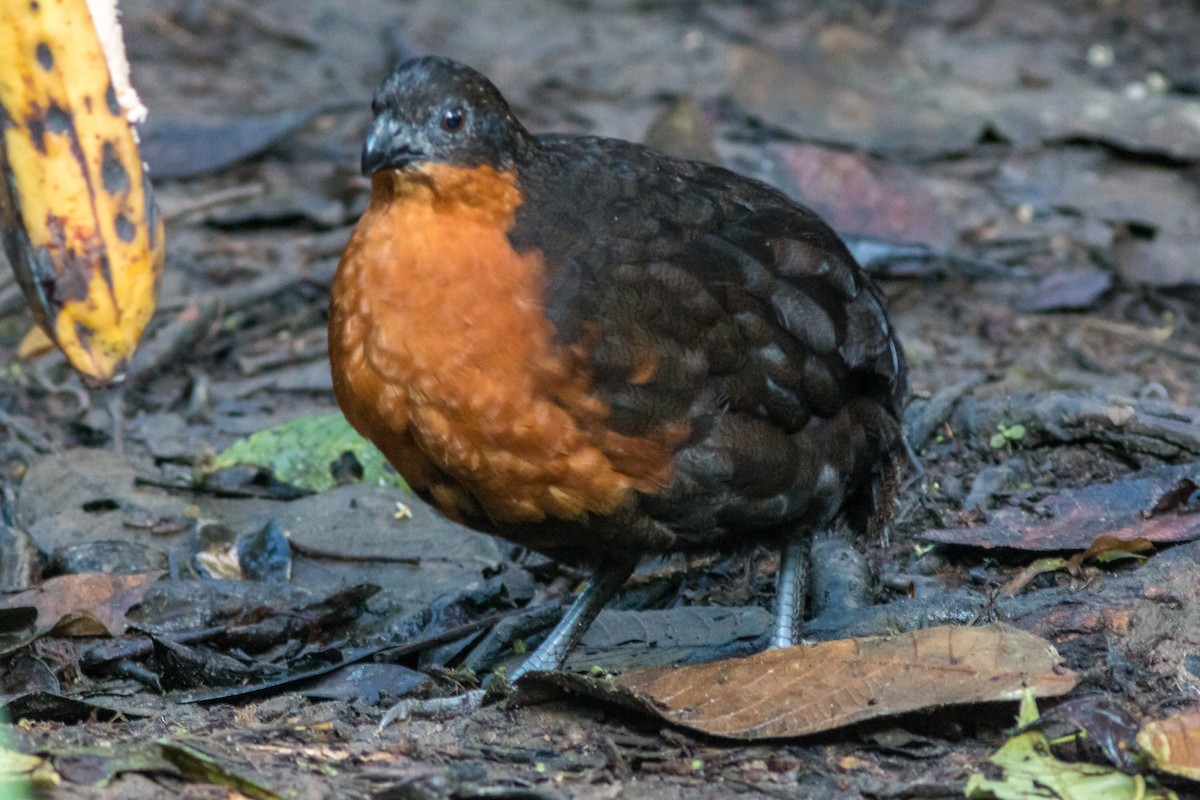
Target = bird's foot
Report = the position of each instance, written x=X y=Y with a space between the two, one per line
x=498 y=689
x=434 y=707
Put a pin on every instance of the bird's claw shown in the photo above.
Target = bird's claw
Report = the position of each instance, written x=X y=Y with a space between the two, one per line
x=434 y=707
x=498 y=688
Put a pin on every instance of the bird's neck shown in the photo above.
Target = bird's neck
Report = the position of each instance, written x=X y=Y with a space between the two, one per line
x=479 y=194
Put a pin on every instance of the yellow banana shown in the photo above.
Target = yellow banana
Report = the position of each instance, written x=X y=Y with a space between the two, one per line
x=78 y=220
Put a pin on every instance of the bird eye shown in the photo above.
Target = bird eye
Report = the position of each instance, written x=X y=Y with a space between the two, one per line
x=453 y=119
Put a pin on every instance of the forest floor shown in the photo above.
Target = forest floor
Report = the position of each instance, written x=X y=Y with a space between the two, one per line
x=1049 y=151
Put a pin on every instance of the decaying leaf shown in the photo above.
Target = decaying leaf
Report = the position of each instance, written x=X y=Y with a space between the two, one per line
x=797 y=691
x=1076 y=519
x=200 y=766
x=305 y=452
x=1031 y=571
x=1109 y=548
x=1105 y=723
x=1029 y=771
x=87 y=604
x=1104 y=550
x=98 y=765
x=1173 y=744
x=1178 y=496
x=861 y=195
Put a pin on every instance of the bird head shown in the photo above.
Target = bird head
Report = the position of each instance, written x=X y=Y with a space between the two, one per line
x=433 y=110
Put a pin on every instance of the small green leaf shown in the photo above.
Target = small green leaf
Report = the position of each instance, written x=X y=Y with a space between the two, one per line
x=302 y=453
x=1014 y=433
x=1110 y=556
x=1029 y=771
x=1027 y=712
x=1006 y=435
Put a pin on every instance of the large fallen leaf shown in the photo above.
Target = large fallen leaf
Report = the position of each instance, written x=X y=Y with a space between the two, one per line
x=1173 y=744
x=87 y=604
x=1028 y=771
x=797 y=691
x=185 y=148
x=1074 y=519
x=303 y=453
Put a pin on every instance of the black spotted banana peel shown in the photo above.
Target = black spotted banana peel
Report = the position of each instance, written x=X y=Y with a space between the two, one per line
x=77 y=217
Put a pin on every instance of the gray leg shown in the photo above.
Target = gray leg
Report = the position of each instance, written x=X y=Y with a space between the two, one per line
x=790 y=586
x=114 y=404
x=559 y=643
x=551 y=655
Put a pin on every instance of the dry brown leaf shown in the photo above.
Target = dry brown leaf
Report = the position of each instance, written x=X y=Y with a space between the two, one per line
x=1102 y=549
x=79 y=623
x=1173 y=744
x=1031 y=571
x=83 y=599
x=1111 y=544
x=1109 y=547
x=808 y=689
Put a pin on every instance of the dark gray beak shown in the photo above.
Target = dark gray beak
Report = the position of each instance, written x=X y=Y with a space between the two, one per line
x=382 y=150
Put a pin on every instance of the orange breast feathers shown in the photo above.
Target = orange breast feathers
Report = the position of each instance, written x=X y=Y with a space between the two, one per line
x=443 y=356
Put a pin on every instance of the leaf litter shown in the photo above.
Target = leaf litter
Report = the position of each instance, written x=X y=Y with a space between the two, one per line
x=938 y=117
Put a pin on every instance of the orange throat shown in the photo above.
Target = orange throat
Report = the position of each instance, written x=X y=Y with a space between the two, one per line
x=443 y=356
